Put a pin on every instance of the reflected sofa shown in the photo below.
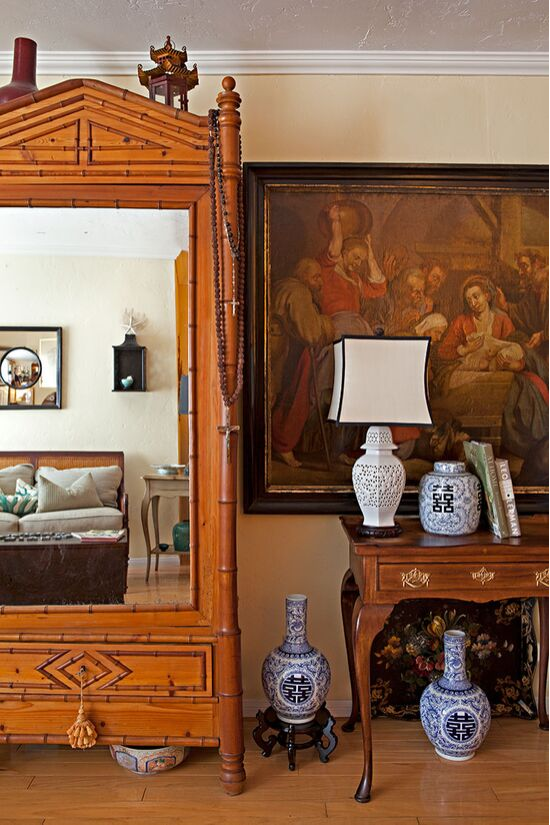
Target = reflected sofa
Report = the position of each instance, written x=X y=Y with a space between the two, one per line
x=63 y=468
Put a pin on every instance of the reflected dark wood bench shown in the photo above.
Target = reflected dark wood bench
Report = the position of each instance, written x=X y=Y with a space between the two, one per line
x=65 y=571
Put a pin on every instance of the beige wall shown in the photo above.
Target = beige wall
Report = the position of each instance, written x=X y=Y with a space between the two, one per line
x=361 y=119
x=87 y=298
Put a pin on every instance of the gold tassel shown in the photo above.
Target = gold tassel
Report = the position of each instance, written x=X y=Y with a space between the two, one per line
x=82 y=733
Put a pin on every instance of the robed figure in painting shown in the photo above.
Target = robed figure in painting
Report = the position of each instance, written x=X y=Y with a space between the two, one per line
x=453 y=267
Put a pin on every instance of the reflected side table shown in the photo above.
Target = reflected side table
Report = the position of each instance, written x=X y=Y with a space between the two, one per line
x=167 y=486
x=415 y=565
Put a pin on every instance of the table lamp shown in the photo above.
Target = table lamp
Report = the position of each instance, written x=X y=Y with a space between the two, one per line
x=380 y=381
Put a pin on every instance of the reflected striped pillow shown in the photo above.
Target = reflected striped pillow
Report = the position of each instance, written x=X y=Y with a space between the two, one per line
x=82 y=493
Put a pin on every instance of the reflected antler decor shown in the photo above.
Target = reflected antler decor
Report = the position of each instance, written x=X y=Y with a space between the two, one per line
x=132 y=321
x=170 y=77
x=82 y=733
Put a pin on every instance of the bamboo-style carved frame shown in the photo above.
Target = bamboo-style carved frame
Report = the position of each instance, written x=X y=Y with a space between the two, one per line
x=84 y=143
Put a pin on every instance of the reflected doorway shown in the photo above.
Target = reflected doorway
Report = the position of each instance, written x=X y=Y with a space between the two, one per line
x=81 y=270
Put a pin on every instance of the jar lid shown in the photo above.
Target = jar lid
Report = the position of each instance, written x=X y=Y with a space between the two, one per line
x=453 y=467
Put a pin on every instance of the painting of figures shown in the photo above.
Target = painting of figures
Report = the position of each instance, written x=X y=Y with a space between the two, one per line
x=459 y=254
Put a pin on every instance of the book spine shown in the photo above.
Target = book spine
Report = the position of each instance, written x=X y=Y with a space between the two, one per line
x=508 y=497
x=496 y=498
x=481 y=459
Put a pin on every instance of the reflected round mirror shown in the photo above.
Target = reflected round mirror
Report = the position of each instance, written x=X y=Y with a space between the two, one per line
x=20 y=368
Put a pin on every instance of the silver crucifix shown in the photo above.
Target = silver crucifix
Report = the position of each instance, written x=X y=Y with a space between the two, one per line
x=228 y=429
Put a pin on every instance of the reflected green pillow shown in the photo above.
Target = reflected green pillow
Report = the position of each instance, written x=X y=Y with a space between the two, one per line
x=23 y=488
x=18 y=504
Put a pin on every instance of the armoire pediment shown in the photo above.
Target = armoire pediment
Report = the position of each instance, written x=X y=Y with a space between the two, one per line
x=89 y=129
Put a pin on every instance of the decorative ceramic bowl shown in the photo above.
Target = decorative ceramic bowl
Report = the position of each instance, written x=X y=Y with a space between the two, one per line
x=168 y=469
x=148 y=760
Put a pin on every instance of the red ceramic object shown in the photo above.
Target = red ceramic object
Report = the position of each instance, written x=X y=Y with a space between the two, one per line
x=23 y=79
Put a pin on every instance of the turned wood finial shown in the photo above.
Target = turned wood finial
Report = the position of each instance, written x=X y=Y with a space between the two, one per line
x=229 y=98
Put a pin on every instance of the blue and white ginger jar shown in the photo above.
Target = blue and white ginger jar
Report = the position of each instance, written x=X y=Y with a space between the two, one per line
x=455 y=714
x=296 y=676
x=449 y=500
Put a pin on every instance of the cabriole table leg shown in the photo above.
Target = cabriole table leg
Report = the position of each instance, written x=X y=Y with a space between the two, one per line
x=543 y=664
x=368 y=620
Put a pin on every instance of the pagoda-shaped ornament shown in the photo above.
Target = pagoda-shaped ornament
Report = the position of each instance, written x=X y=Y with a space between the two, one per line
x=170 y=78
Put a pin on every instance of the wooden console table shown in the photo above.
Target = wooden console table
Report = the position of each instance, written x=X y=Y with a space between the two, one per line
x=417 y=565
x=156 y=485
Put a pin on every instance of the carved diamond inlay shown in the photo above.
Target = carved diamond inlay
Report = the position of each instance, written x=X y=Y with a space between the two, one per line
x=542 y=577
x=483 y=576
x=101 y=670
x=415 y=578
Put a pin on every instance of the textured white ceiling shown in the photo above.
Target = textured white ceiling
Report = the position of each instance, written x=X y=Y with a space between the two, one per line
x=119 y=233
x=423 y=25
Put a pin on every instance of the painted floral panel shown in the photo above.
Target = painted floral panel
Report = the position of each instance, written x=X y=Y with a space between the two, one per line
x=501 y=654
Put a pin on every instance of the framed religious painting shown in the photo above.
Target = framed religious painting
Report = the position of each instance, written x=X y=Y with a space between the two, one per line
x=457 y=253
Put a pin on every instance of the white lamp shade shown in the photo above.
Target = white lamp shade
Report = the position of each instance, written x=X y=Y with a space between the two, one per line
x=380 y=381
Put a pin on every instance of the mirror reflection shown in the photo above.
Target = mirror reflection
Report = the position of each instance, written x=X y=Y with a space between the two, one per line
x=20 y=368
x=94 y=498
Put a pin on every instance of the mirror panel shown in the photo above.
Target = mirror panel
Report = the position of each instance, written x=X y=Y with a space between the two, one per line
x=114 y=460
x=30 y=368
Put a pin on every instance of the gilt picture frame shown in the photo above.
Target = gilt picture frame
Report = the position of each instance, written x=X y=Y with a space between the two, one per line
x=455 y=252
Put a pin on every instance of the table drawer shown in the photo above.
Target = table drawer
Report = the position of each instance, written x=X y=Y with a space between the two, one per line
x=122 y=670
x=474 y=576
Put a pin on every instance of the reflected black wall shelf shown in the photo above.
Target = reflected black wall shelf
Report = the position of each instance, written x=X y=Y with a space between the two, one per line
x=129 y=360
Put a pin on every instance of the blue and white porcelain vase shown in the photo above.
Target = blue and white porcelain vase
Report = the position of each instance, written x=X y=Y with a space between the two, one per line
x=449 y=500
x=455 y=714
x=296 y=676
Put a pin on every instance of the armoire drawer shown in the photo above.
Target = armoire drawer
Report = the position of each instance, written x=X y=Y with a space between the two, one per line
x=122 y=670
x=40 y=718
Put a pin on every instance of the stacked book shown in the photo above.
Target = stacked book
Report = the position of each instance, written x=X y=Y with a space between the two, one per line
x=494 y=474
x=100 y=536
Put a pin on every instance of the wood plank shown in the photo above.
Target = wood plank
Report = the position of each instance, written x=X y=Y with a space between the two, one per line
x=228 y=819
x=389 y=802
x=125 y=786
x=242 y=808
x=270 y=788
x=484 y=820
x=13 y=781
x=212 y=819
x=25 y=820
x=528 y=790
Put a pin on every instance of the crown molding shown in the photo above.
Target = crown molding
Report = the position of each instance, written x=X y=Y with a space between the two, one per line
x=35 y=249
x=103 y=63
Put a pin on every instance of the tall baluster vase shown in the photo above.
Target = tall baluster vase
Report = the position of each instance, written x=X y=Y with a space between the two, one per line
x=455 y=714
x=23 y=79
x=296 y=676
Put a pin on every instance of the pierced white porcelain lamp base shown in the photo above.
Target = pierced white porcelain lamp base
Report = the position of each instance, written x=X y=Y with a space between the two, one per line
x=379 y=481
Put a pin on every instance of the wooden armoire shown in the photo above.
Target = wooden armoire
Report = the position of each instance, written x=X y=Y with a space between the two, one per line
x=167 y=673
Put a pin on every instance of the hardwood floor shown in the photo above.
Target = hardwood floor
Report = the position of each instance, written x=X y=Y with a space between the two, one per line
x=505 y=784
x=169 y=584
